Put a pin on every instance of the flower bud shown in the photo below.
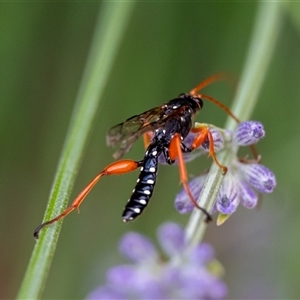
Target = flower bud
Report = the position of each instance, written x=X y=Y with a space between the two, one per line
x=248 y=133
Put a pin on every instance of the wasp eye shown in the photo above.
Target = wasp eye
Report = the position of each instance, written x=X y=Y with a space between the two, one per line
x=200 y=102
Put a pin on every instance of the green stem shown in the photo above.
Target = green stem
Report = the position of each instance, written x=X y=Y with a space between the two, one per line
x=265 y=33
x=109 y=30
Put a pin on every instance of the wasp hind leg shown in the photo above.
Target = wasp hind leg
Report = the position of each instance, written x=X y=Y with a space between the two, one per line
x=116 y=168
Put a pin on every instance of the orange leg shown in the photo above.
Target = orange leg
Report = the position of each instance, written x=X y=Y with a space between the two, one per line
x=204 y=133
x=175 y=152
x=116 y=168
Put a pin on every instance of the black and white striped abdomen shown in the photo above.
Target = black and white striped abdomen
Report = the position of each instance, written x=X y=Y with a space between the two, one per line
x=144 y=187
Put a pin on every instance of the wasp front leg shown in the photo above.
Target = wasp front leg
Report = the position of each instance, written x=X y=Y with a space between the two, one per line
x=204 y=134
x=116 y=168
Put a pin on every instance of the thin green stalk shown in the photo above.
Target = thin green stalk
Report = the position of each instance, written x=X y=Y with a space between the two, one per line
x=109 y=30
x=263 y=42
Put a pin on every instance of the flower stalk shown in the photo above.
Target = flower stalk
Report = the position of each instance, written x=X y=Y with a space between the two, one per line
x=265 y=33
x=109 y=30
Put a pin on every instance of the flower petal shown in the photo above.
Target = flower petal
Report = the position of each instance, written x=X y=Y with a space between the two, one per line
x=247 y=195
x=183 y=203
x=259 y=177
x=201 y=254
x=137 y=248
x=228 y=198
x=122 y=276
x=171 y=238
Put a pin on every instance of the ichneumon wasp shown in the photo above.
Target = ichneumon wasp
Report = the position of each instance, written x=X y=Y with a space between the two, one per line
x=168 y=125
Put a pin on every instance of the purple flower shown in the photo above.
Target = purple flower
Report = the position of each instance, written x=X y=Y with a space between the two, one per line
x=248 y=133
x=244 y=179
x=259 y=177
x=183 y=202
x=202 y=254
x=247 y=194
x=184 y=275
x=171 y=238
x=137 y=248
x=228 y=197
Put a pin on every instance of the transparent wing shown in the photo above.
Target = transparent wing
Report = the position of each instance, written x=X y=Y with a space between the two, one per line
x=125 y=134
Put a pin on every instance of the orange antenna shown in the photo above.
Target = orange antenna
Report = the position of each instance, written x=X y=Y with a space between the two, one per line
x=224 y=107
x=211 y=79
x=208 y=81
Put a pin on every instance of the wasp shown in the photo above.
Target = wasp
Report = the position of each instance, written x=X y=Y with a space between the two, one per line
x=164 y=129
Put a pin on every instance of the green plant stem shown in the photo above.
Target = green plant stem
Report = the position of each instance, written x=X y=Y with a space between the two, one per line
x=265 y=33
x=109 y=30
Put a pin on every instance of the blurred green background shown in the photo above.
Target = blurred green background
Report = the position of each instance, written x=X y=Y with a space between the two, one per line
x=168 y=48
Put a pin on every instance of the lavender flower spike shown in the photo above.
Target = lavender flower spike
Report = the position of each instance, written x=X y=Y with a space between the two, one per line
x=248 y=133
x=244 y=179
x=193 y=276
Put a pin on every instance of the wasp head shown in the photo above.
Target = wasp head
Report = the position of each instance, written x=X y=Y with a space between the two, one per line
x=195 y=102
